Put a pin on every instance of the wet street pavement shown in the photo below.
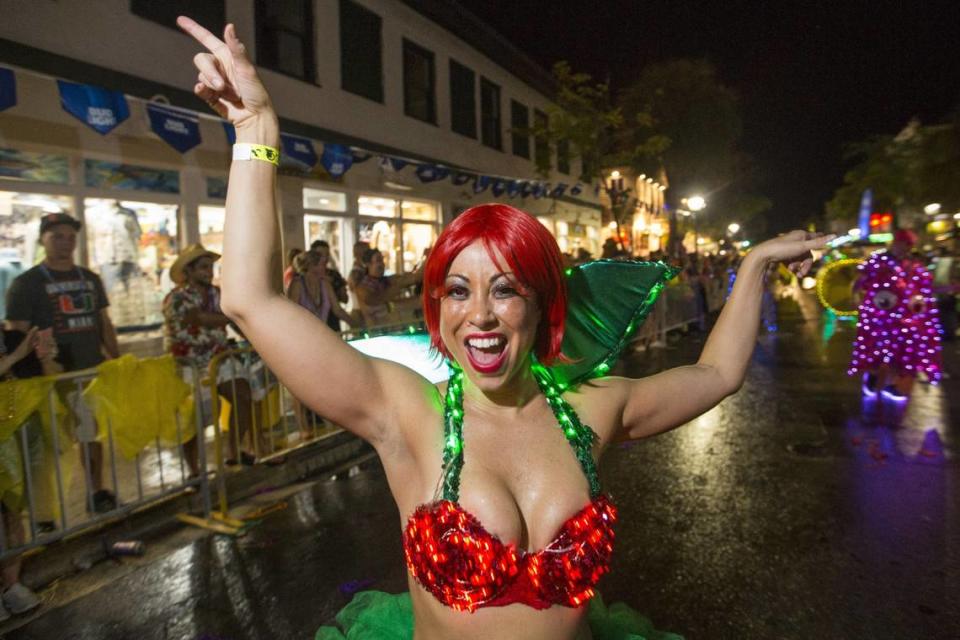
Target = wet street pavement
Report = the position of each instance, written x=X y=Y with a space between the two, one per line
x=789 y=511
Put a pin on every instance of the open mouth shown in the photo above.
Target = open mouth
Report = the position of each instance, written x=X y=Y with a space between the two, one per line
x=486 y=352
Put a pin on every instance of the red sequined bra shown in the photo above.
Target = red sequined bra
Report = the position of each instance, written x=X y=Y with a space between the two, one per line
x=450 y=553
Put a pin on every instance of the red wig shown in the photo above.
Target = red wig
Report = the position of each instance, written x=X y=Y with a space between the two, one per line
x=531 y=254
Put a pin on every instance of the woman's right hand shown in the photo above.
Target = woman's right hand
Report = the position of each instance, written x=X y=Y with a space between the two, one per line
x=227 y=80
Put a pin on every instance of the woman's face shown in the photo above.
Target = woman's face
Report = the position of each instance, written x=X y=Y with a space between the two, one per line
x=376 y=267
x=488 y=322
x=318 y=268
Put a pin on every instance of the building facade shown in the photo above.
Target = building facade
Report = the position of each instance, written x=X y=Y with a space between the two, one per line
x=397 y=115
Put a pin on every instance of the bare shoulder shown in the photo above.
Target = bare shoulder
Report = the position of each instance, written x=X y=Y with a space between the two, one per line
x=600 y=403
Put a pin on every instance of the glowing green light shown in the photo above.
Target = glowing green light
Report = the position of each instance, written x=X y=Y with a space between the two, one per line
x=567 y=272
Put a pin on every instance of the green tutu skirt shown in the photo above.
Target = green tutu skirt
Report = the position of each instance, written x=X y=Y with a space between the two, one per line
x=386 y=616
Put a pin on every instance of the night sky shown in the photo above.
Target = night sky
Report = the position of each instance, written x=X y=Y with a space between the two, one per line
x=812 y=76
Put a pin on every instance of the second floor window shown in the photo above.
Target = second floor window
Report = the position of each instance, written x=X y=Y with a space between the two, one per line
x=463 y=100
x=541 y=147
x=563 y=156
x=520 y=125
x=361 y=51
x=212 y=14
x=490 y=129
x=419 y=83
x=285 y=37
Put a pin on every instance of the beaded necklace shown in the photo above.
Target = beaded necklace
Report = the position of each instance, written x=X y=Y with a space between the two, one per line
x=580 y=436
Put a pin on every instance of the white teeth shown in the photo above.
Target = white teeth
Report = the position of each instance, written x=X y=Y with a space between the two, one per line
x=484 y=343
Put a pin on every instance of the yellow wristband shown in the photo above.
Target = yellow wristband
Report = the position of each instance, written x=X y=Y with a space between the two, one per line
x=248 y=151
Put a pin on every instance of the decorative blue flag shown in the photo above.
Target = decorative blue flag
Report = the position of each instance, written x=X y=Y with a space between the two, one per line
x=100 y=109
x=558 y=190
x=480 y=183
x=336 y=159
x=359 y=155
x=431 y=172
x=389 y=163
x=576 y=190
x=8 y=89
x=526 y=189
x=298 y=149
x=513 y=188
x=499 y=186
x=230 y=131
x=180 y=129
x=539 y=190
x=460 y=178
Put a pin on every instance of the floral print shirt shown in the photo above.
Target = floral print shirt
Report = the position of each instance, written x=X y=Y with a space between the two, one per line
x=186 y=340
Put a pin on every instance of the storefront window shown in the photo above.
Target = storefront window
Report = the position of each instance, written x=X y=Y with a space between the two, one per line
x=563 y=235
x=325 y=200
x=325 y=228
x=410 y=210
x=132 y=245
x=211 y=233
x=402 y=244
x=417 y=238
x=382 y=235
x=378 y=207
x=20 y=230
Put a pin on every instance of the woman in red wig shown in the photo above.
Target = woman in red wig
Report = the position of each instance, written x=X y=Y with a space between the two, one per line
x=505 y=528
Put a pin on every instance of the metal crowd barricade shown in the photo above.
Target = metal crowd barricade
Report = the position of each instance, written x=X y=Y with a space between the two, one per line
x=277 y=423
x=38 y=455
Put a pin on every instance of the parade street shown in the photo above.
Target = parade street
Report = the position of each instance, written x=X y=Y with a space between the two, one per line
x=782 y=513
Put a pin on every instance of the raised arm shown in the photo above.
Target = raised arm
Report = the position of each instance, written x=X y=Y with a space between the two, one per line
x=316 y=365
x=674 y=397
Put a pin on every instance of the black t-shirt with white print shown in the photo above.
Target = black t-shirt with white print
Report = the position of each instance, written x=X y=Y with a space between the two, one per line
x=70 y=302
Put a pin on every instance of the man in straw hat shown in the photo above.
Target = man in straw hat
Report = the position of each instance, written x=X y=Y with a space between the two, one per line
x=196 y=331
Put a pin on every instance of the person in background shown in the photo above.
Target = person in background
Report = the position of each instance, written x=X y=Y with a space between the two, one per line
x=337 y=281
x=312 y=289
x=71 y=300
x=289 y=271
x=17 y=598
x=358 y=270
x=376 y=291
x=196 y=331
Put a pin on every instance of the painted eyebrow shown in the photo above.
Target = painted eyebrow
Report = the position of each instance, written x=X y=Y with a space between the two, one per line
x=493 y=278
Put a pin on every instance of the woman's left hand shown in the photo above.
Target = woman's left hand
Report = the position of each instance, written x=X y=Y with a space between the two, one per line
x=793 y=249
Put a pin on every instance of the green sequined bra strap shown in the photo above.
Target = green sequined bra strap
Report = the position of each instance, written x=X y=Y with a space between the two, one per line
x=580 y=436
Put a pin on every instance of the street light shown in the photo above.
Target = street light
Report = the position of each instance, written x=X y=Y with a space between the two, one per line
x=696 y=203
x=932 y=208
x=732 y=228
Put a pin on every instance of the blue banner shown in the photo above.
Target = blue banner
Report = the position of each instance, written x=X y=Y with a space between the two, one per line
x=431 y=172
x=499 y=186
x=526 y=189
x=558 y=190
x=8 y=89
x=539 y=190
x=336 y=159
x=480 y=183
x=359 y=155
x=513 y=188
x=230 y=131
x=459 y=178
x=576 y=190
x=179 y=129
x=298 y=149
x=100 y=109
x=389 y=163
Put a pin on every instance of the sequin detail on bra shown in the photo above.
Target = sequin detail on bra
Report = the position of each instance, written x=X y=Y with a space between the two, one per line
x=452 y=555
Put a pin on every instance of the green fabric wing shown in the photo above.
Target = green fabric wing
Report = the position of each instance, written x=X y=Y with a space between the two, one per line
x=608 y=301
